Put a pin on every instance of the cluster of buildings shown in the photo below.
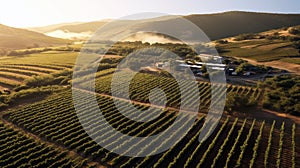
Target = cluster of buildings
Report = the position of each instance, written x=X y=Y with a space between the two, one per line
x=210 y=62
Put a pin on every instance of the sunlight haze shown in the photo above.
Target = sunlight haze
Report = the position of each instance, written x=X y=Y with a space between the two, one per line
x=30 y=13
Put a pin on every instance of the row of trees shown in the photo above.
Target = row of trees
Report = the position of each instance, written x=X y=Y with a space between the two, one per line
x=245 y=66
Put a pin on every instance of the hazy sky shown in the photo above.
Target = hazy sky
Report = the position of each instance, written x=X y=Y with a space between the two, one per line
x=27 y=13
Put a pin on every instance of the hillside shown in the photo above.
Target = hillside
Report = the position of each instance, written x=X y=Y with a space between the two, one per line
x=216 y=26
x=228 y=24
x=79 y=27
x=49 y=28
x=15 y=38
x=82 y=27
x=71 y=31
x=277 y=48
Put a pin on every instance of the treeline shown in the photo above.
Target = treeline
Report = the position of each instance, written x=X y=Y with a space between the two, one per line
x=58 y=78
x=8 y=100
x=26 y=52
x=274 y=36
x=282 y=93
x=125 y=48
x=37 y=50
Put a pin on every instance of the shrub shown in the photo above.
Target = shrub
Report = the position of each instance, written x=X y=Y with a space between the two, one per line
x=64 y=72
x=21 y=87
x=235 y=102
x=246 y=37
x=222 y=41
x=294 y=31
x=57 y=78
x=41 y=80
x=29 y=93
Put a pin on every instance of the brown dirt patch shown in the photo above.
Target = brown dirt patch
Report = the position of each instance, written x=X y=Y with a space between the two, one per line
x=249 y=46
x=294 y=68
x=113 y=56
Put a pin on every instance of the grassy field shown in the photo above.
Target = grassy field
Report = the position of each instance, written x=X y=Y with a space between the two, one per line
x=262 y=50
x=16 y=38
x=273 y=45
x=291 y=60
x=47 y=58
x=15 y=69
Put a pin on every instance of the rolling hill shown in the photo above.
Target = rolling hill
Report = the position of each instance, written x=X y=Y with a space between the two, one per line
x=15 y=38
x=234 y=23
x=221 y=25
x=71 y=31
x=277 y=48
x=49 y=28
x=79 y=27
x=216 y=26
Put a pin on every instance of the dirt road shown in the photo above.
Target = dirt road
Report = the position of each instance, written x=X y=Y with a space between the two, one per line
x=294 y=68
x=260 y=114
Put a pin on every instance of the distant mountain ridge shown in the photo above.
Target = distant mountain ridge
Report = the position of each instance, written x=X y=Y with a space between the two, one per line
x=216 y=26
x=228 y=24
x=16 y=38
x=49 y=28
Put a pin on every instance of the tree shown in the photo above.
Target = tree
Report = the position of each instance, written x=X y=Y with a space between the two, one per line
x=222 y=41
x=243 y=67
x=235 y=102
x=296 y=45
x=294 y=31
x=297 y=110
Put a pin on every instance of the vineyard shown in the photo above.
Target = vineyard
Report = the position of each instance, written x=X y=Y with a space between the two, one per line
x=142 y=84
x=48 y=133
x=12 y=75
x=239 y=142
x=18 y=150
x=14 y=70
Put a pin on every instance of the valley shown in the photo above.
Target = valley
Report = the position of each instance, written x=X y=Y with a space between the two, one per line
x=55 y=111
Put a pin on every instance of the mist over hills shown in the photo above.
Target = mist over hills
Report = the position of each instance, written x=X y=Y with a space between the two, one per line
x=216 y=26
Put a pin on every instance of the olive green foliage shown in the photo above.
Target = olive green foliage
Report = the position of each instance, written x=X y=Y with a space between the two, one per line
x=126 y=48
x=246 y=37
x=28 y=51
x=222 y=41
x=30 y=93
x=295 y=30
x=296 y=45
x=236 y=102
x=57 y=78
x=7 y=100
x=245 y=66
x=110 y=60
x=265 y=47
x=282 y=93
